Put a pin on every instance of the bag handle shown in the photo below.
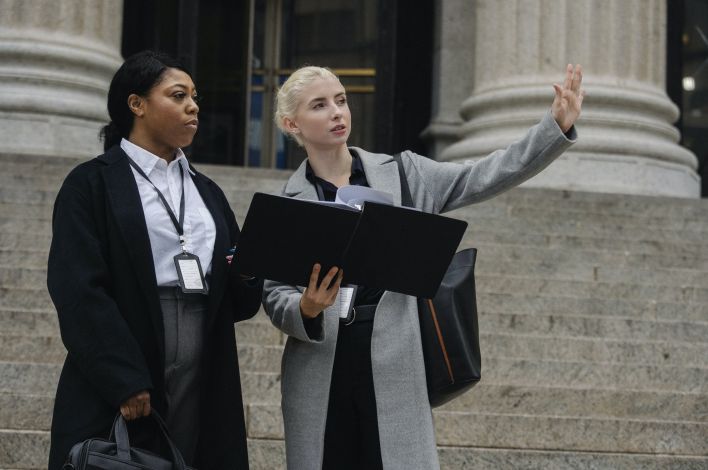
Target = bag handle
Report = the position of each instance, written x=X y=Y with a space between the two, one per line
x=119 y=435
x=406 y=198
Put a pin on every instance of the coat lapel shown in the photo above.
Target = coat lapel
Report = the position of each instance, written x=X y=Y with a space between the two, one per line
x=221 y=243
x=381 y=173
x=298 y=186
x=127 y=208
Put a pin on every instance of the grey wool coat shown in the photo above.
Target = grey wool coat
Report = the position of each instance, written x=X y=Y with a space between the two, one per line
x=404 y=414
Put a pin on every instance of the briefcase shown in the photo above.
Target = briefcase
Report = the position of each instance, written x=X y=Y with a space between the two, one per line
x=115 y=452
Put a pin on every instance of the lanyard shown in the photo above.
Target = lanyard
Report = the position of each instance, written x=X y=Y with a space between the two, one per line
x=179 y=224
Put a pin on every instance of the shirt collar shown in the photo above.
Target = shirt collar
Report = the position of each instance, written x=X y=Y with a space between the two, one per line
x=357 y=168
x=147 y=160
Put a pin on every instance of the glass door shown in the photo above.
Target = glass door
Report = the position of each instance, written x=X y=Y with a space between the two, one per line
x=287 y=34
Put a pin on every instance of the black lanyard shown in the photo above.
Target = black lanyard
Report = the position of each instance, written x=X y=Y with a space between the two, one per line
x=179 y=224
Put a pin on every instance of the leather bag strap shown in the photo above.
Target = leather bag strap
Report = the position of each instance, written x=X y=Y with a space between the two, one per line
x=406 y=198
x=119 y=435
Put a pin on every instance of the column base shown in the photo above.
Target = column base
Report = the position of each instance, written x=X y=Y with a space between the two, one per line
x=36 y=134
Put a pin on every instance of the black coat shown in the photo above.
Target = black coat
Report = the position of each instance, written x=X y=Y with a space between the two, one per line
x=101 y=279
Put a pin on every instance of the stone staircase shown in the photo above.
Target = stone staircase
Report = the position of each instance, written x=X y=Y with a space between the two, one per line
x=593 y=318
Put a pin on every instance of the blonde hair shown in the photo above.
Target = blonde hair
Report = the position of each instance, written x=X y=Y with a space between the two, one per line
x=288 y=97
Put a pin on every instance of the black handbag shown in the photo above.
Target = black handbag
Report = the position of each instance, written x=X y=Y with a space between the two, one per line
x=449 y=331
x=115 y=452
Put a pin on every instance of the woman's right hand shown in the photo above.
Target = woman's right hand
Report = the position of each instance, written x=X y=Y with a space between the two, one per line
x=136 y=406
x=317 y=298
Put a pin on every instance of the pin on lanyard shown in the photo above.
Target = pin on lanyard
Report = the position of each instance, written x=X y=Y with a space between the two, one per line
x=179 y=224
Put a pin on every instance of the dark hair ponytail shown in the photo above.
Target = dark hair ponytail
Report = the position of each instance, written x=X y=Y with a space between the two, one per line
x=138 y=75
x=110 y=135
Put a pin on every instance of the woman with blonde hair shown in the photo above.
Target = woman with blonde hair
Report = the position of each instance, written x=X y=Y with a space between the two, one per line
x=354 y=394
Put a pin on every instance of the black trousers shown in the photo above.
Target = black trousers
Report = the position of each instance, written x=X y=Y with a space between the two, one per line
x=352 y=432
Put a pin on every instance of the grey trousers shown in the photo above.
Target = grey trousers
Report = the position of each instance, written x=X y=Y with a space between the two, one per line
x=183 y=318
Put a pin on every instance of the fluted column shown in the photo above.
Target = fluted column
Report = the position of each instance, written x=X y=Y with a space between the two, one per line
x=453 y=52
x=627 y=141
x=56 y=61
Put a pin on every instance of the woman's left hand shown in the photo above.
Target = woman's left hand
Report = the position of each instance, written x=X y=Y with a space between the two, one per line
x=569 y=98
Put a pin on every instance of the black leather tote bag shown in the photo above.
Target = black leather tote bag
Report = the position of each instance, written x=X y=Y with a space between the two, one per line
x=449 y=330
x=115 y=453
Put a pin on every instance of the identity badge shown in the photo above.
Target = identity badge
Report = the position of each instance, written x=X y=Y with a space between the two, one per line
x=190 y=274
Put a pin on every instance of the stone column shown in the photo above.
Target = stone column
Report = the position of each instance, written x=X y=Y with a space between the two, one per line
x=56 y=60
x=627 y=142
x=453 y=68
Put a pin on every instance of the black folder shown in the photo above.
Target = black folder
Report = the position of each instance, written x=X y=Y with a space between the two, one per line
x=387 y=247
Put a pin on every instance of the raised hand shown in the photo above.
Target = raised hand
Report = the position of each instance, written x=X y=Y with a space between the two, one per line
x=569 y=98
x=316 y=298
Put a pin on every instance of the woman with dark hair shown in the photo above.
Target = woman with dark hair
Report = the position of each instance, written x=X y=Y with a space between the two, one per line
x=139 y=275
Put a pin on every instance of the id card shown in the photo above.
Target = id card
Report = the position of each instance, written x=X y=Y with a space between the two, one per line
x=189 y=272
x=346 y=301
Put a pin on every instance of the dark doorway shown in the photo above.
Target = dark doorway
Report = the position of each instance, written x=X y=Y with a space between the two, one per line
x=211 y=38
x=240 y=51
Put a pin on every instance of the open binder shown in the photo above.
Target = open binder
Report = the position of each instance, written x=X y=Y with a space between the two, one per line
x=383 y=246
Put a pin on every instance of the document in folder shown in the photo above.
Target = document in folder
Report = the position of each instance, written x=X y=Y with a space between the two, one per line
x=383 y=246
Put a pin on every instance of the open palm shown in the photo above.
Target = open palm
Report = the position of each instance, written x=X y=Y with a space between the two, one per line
x=569 y=98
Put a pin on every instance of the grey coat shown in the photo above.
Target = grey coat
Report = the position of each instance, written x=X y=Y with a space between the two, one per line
x=404 y=414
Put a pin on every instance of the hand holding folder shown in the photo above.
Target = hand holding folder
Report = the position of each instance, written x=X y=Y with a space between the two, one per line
x=383 y=246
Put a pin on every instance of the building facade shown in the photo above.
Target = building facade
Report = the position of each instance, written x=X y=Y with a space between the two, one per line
x=452 y=79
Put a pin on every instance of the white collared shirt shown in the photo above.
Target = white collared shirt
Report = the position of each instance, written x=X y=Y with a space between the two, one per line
x=199 y=228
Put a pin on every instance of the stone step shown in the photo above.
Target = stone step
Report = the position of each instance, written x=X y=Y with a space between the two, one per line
x=486 y=215
x=590 y=402
x=265 y=386
x=23 y=449
x=570 y=433
x=29 y=450
x=31 y=411
x=472 y=458
x=521 y=285
x=640 y=245
x=519 y=430
x=559 y=225
x=35 y=295
x=13 y=276
x=617 y=204
x=34 y=337
x=593 y=350
x=269 y=454
x=595 y=327
x=26 y=322
x=490 y=253
x=24 y=258
x=42 y=349
x=604 y=257
x=42 y=241
x=26 y=211
x=647 y=309
x=583 y=216
x=590 y=228
x=26 y=411
x=590 y=271
x=263 y=357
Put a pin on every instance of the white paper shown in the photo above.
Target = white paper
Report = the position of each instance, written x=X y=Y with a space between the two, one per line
x=355 y=196
x=190 y=274
x=345 y=301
